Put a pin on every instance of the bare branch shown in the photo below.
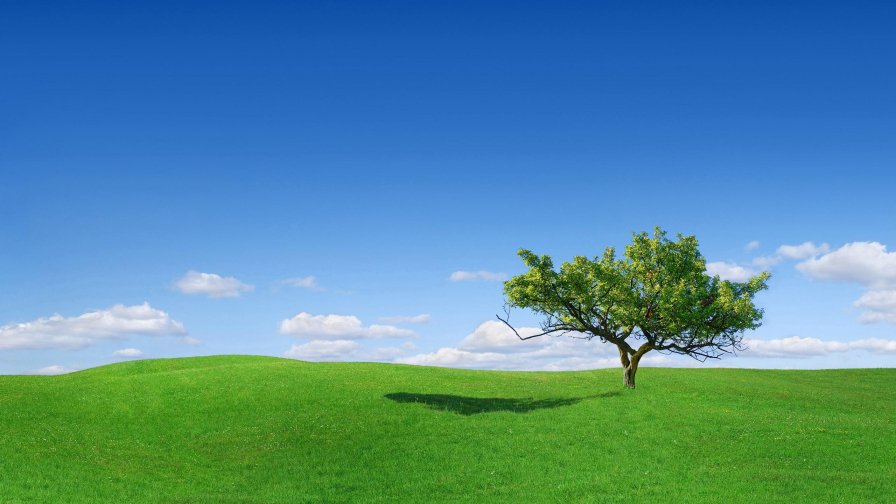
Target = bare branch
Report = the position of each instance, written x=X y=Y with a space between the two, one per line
x=518 y=335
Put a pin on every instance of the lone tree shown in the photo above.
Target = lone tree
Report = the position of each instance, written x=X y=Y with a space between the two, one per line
x=659 y=297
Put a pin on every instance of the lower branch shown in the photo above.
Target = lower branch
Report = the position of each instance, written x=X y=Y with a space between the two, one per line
x=544 y=333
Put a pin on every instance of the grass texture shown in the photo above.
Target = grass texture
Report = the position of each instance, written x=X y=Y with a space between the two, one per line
x=240 y=429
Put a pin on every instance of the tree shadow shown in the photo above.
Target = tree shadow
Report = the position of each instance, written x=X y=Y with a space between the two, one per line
x=474 y=405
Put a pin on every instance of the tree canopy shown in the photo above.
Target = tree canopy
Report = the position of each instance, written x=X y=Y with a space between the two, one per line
x=657 y=297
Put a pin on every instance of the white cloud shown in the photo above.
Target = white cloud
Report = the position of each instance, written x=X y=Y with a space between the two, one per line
x=128 y=353
x=345 y=350
x=338 y=327
x=875 y=345
x=879 y=305
x=866 y=263
x=797 y=346
x=54 y=370
x=753 y=245
x=467 y=276
x=495 y=336
x=729 y=271
x=321 y=350
x=407 y=319
x=649 y=360
x=81 y=331
x=558 y=354
x=802 y=251
x=383 y=354
x=794 y=346
x=453 y=357
x=488 y=347
x=492 y=345
x=308 y=282
x=211 y=285
x=876 y=317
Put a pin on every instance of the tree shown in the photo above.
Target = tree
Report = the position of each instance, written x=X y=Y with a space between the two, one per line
x=658 y=297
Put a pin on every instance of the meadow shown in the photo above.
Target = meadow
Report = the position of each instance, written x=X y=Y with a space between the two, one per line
x=244 y=429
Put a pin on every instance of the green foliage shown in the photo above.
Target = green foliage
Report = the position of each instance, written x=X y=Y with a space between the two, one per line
x=234 y=429
x=659 y=293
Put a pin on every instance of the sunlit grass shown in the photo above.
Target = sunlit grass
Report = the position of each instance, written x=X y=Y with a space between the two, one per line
x=264 y=430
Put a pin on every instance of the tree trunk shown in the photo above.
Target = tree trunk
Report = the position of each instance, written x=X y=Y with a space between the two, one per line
x=629 y=369
x=628 y=375
x=630 y=365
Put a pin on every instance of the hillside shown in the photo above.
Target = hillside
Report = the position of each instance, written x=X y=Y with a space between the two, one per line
x=237 y=429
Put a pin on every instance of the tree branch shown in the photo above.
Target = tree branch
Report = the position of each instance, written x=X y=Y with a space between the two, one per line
x=518 y=335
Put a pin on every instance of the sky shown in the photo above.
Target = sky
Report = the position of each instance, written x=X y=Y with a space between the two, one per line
x=352 y=180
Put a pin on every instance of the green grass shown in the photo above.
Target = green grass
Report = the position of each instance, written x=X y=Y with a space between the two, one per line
x=264 y=430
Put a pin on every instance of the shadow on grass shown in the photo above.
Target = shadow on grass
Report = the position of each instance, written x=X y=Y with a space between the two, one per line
x=473 y=405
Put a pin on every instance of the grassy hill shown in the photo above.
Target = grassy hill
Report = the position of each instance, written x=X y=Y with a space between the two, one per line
x=236 y=429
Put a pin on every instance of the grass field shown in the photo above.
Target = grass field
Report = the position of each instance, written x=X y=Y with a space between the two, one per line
x=236 y=429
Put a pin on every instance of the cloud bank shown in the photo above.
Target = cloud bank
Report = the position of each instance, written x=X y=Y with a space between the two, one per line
x=797 y=346
x=338 y=327
x=72 y=333
x=878 y=306
x=492 y=345
x=867 y=264
x=345 y=350
x=53 y=370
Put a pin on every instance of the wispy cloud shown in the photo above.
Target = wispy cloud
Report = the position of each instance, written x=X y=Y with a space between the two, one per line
x=407 y=319
x=470 y=276
x=308 y=282
x=128 y=353
x=345 y=350
x=798 y=346
x=767 y=262
x=802 y=251
x=211 y=285
x=54 y=370
x=323 y=350
x=189 y=340
x=116 y=322
x=878 y=306
x=492 y=345
x=751 y=246
x=338 y=327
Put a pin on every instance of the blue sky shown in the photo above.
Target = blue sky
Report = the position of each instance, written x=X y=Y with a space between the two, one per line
x=380 y=147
